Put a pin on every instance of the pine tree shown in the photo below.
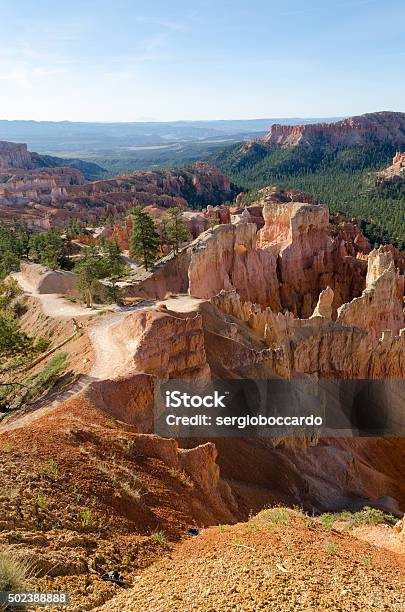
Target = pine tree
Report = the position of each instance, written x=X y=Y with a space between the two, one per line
x=13 y=247
x=176 y=231
x=47 y=248
x=90 y=269
x=114 y=266
x=144 y=243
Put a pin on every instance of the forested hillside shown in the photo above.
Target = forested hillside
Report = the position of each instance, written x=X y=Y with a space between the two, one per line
x=343 y=179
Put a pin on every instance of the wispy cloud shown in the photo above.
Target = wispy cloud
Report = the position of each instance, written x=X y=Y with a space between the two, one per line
x=328 y=7
x=176 y=26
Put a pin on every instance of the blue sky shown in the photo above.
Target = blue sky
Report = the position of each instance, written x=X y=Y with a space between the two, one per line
x=124 y=60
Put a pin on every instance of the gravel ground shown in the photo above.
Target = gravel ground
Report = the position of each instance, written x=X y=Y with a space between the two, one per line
x=280 y=561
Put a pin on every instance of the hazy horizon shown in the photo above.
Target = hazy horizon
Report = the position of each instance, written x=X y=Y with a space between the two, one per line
x=216 y=119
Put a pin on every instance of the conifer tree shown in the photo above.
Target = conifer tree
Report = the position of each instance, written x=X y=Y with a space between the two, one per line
x=144 y=243
x=90 y=269
x=176 y=231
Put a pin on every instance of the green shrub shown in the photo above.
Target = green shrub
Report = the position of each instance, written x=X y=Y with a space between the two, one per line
x=158 y=536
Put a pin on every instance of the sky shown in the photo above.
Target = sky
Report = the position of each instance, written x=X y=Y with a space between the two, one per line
x=164 y=60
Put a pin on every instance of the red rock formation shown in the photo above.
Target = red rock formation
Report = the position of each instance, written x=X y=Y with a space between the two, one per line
x=167 y=344
x=398 y=256
x=196 y=222
x=395 y=172
x=309 y=258
x=42 y=186
x=384 y=126
x=318 y=344
x=60 y=194
x=287 y=264
x=14 y=155
x=380 y=306
x=399 y=160
x=350 y=234
x=227 y=258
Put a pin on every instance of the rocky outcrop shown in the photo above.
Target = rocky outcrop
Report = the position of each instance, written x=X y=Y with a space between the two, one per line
x=387 y=127
x=399 y=160
x=319 y=345
x=226 y=257
x=170 y=275
x=60 y=194
x=308 y=258
x=163 y=343
x=285 y=265
x=44 y=280
x=324 y=305
x=314 y=256
x=41 y=186
x=394 y=173
x=14 y=155
x=380 y=306
x=127 y=398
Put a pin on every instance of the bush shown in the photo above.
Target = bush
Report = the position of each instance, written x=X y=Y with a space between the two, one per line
x=158 y=536
x=14 y=574
x=182 y=478
x=366 y=516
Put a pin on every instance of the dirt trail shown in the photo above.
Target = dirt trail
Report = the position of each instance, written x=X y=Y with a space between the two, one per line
x=53 y=304
x=112 y=355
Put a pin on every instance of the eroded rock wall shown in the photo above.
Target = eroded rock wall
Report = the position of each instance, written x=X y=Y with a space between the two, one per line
x=227 y=258
x=285 y=265
x=14 y=155
x=45 y=281
x=380 y=306
x=319 y=345
x=164 y=344
x=383 y=126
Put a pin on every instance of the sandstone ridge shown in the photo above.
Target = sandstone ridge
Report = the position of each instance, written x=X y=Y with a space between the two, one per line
x=383 y=126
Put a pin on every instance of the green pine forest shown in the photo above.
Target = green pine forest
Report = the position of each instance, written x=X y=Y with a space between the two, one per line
x=344 y=180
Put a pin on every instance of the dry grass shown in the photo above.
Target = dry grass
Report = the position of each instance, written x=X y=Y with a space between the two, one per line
x=14 y=573
x=366 y=516
x=182 y=477
x=132 y=493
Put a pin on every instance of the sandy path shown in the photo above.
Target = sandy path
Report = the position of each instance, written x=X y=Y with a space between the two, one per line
x=112 y=354
x=182 y=303
x=53 y=304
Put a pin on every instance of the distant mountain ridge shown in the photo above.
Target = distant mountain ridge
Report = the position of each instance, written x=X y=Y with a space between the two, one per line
x=335 y=161
x=73 y=136
x=16 y=155
x=385 y=126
